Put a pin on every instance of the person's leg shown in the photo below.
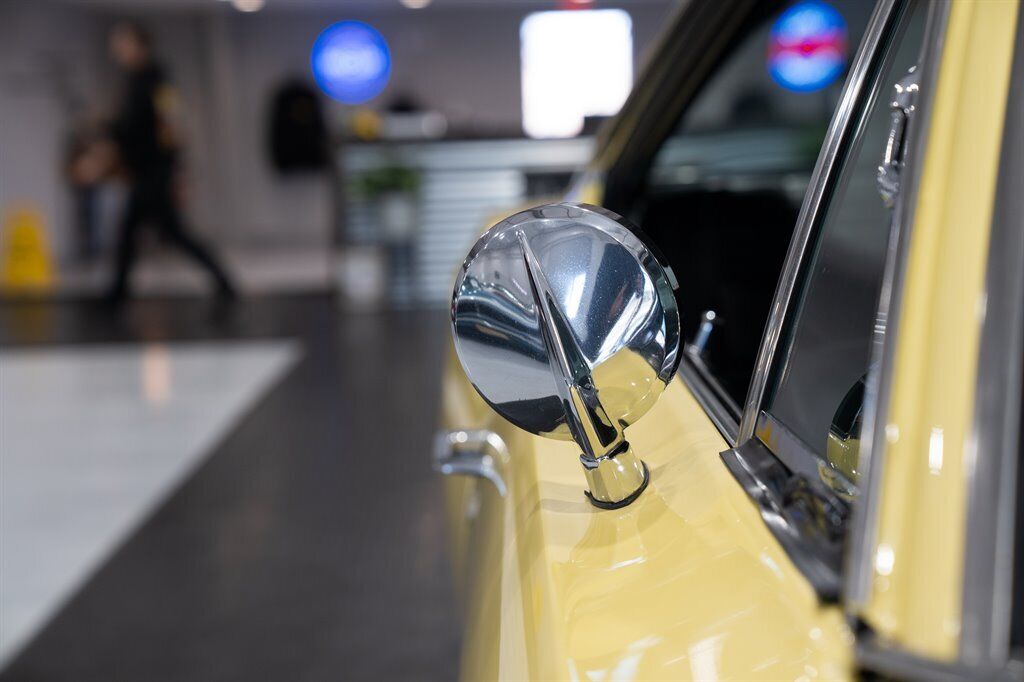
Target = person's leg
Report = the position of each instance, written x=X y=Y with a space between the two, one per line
x=131 y=220
x=174 y=230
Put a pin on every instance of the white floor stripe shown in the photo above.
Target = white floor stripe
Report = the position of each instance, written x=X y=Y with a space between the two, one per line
x=92 y=439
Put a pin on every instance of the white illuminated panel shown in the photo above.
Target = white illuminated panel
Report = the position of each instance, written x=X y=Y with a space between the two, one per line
x=575 y=63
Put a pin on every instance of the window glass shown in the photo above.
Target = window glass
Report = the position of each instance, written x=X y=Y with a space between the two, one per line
x=819 y=385
x=723 y=192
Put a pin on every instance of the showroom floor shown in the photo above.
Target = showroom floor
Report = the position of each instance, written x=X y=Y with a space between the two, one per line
x=193 y=491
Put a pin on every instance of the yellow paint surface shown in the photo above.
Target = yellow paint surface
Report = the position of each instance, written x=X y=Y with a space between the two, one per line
x=918 y=559
x=686 y=583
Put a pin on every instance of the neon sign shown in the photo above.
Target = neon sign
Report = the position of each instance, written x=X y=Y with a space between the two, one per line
x=807 y=48
x=351 y=62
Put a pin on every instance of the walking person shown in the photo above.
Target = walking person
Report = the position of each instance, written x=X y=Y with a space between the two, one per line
x=147 y=147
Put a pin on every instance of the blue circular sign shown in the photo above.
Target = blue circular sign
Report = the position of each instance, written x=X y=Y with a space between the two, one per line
x=807 y=48
x=351 y=62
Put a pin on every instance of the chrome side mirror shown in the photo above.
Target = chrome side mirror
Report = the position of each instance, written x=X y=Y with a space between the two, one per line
x=566 y=324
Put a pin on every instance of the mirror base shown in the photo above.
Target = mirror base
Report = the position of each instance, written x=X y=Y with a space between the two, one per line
x=615 y=480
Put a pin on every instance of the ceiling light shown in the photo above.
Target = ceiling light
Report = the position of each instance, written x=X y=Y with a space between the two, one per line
x=573 y=64
x=416 y=4
x=248 y=5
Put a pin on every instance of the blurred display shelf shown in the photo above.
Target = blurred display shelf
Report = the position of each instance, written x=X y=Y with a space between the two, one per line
x=464 y=186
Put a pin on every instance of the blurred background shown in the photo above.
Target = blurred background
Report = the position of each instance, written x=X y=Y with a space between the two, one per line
x=228 y=233
x=289 y=161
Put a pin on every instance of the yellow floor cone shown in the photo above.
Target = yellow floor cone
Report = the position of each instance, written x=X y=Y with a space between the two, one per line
x=26 y=263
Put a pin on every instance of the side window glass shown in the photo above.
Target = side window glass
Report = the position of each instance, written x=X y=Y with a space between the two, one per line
x=818 y=382
x=724 y=189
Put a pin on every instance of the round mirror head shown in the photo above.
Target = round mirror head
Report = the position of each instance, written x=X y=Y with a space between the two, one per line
x=566 y=324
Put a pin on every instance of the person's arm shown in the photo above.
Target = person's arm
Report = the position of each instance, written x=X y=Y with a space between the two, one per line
x=94 y=162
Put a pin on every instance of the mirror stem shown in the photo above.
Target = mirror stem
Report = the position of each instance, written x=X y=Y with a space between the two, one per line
x=616 y=479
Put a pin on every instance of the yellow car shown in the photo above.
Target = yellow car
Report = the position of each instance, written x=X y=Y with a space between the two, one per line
x=779 y=322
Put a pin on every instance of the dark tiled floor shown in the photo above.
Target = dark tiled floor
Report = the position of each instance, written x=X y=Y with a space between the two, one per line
x=309 y=546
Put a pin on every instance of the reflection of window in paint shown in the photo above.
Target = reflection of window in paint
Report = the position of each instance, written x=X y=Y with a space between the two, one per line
x=807 y=50
x=351 y=62
x=574 y=63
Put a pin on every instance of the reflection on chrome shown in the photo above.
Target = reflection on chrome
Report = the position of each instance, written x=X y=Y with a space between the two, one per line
x=567 y=325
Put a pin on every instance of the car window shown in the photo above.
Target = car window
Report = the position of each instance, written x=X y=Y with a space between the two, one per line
x=818 y=382
x=723 y=191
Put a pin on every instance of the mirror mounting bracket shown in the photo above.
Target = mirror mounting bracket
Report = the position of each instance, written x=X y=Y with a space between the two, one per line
x=616 y=479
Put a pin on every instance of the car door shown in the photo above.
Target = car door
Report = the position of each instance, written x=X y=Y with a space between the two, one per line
x=689 y=581
x=932 y=573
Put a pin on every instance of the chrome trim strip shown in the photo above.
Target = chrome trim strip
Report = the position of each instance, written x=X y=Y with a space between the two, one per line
x=860 y=544
x=711 y=397
x=989 y=551
x=786 y=445
x=591 y=426
x=794 y=453
x=900 y=665
x=840 y=131
x=766 y=481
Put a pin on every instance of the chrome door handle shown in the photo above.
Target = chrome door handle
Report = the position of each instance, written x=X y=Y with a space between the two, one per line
x=901 y=108
x=471 y=453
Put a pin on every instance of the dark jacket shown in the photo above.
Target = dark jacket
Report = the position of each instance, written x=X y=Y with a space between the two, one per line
x=141 y=127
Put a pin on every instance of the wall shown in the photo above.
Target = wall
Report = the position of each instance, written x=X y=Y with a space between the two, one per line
x=42 y=80
x=464 y=62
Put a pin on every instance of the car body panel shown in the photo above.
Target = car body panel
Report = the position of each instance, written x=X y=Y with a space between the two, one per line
x=688 y=582
x=685 y=583
x=918 y=557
